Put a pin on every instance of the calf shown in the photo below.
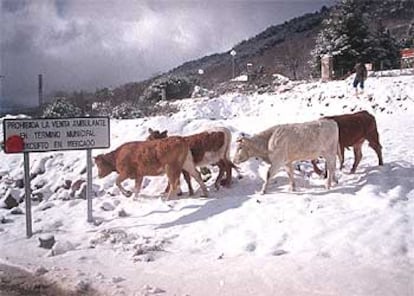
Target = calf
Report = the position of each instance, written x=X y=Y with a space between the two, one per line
x=354 y=129
x=135 y=160
x=281 y=145
x=209 y=147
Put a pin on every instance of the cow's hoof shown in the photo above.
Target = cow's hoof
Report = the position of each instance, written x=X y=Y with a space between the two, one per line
x=128 y=193
x=204 y=194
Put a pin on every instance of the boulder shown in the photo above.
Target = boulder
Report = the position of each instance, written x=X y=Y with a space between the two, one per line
x=47 y=241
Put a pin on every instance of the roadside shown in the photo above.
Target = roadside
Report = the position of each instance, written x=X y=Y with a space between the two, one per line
x=18 y=282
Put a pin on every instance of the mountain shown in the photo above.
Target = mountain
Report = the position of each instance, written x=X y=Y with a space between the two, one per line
x=283 y=48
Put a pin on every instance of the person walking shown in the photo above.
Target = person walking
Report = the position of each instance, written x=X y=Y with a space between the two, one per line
x=360 y=77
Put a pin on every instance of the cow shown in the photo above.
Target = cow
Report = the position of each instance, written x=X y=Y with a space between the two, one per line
x=281 y=145
x=209 y=147
x=137 y=159
x=354 y=129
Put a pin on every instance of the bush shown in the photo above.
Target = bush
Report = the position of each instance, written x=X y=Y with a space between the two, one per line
x=61 y=108
x=175 y=88
x=126 y=110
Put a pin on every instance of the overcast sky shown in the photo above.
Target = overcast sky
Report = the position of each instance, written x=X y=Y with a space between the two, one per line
x=90 y=44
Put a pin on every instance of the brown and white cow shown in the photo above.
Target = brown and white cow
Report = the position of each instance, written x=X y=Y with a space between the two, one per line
x=135 y=160
x=281 y=145
x=354 y=129
x=209 y=147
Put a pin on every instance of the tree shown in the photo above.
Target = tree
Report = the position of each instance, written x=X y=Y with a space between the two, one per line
x=385 y=52
x=345 y=36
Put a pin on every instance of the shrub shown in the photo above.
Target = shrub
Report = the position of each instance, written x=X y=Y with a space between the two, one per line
x=61 y=108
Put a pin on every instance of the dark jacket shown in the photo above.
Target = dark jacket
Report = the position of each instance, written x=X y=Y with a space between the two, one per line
x=361 y=71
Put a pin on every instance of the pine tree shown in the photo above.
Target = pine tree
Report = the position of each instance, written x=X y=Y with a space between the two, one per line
x=345 y=35
x=385 y=51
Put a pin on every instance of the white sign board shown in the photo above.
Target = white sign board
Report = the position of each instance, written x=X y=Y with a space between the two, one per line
x=40 y=135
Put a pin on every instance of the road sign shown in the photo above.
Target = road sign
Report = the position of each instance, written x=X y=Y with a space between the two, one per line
x=41 y=135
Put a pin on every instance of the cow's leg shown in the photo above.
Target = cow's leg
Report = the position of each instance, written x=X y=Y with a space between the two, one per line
x=289 y=170
x=138 y=183
x=270 y=174
x=228 y=168
x=373 y=140
x=167 y=189
x=330 y=169
x=342 y=158
x=196 y=175
x=190 y=168
x=315 y=167
x=173 y=174
x=121 y=177
x=358 y=155
x=224 y=166
x=187 y=179
x=222 y=169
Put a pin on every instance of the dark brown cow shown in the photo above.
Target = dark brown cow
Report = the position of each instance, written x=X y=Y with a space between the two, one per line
x=209 y=147
x=135 y=160
x=354 y=129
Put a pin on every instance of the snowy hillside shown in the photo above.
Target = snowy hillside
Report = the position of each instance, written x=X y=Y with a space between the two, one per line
x=355 y=239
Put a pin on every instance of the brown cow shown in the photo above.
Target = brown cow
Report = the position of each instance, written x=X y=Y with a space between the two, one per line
x=209 y=147
x=135 y=160
x=354 y=129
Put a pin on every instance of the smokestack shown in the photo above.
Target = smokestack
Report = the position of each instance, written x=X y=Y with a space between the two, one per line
x=40 y=90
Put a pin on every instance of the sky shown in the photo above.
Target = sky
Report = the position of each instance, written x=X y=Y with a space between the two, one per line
x=356 y=238
x=90 y=44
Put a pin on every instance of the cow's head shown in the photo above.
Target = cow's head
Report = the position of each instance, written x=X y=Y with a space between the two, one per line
x=104 y=166
x=156 y=134
x=242 y=151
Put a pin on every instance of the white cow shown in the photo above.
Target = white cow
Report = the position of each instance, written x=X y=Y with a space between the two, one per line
x=281 y=145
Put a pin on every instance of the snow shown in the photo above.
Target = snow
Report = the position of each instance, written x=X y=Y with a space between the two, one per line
x=354 y=239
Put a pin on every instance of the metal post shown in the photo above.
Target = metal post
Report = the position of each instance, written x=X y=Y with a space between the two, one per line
x=232 y=68
x=40 y=90
x=89 y=183
x=233 y=54
x=27 y=195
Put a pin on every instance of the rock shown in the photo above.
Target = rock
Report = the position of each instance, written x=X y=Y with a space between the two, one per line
x=16 y=211
x=61 y=247
x=46 y=205
x=37 y=197
x=19 y=183
x=77 y=185
x=107 y=206
x=67 y=184
x=82 y=192
x=4 y=220
x=10 y=199
x=47 y=241
x=117 y=279
x=83 y=287
x=122 y=213
x=41 y=271
x=279 y=252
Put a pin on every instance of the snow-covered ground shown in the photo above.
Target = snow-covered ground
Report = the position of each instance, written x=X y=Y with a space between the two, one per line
x=355 y=239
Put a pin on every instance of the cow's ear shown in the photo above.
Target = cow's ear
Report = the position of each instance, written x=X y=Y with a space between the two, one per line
x=150 y=130
x=164 y=133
